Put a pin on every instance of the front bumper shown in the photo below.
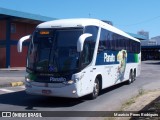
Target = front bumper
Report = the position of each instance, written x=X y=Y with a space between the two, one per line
x=52 y=89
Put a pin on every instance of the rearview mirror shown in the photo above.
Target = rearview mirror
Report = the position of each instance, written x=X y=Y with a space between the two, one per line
x=20 y=42
x=81 y=40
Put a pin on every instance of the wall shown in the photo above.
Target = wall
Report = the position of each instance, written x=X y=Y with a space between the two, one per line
x=2 y=30
x=2 y=43
x=22 y=29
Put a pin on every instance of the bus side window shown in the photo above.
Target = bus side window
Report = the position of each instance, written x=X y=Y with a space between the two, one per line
x=113 y=43
x=102 y=42
x=108 y=41
x=127 y=45
x=89 y=46
x=85 y=53
x=31 y=55
x=105 y=42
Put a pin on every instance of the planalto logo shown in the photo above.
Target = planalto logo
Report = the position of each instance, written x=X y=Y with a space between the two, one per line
x=61 y=79
x=109 y=58
x=51 y=68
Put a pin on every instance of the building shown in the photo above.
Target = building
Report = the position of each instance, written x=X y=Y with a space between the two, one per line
x=138 y=36
x=16 y=24
x=13 y=26
x=151 y=49
x=144 y=33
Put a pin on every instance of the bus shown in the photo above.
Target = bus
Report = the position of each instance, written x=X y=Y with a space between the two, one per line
x=77 y=57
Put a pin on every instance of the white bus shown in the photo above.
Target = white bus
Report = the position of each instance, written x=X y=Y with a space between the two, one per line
x=77 y=57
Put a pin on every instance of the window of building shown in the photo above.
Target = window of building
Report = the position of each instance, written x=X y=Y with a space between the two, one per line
x=13 y=28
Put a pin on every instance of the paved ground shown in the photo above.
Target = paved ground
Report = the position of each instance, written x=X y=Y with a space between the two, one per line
x=111 y=99
x=12 y=77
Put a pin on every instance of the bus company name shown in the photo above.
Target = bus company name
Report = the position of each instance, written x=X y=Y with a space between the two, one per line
x=53 y=79
x=109 y=58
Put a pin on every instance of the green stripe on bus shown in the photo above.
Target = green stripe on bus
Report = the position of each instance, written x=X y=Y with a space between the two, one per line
x=136 y=58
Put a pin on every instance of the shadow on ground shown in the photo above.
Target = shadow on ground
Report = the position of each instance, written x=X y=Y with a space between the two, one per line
x=31 y=102
x=153 y=63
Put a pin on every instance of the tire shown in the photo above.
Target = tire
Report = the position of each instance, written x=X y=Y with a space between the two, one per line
x=134 y=76
x=131 y=77
x=96 y=89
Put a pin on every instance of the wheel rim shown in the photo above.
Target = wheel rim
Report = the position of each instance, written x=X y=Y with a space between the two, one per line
x=130 y=78
x=96 y=88
x=134 y=76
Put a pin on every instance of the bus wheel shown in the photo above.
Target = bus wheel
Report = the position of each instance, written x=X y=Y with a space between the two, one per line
x=134 y=76
x=96 y=89
x=131 y=77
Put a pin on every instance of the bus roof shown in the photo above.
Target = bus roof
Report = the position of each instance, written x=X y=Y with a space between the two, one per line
x=82 y=22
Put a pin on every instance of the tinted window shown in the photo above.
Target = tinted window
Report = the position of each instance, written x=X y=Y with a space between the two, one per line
x=92 y=30
x=89 y=45
x=105 y=41
x=113 y=41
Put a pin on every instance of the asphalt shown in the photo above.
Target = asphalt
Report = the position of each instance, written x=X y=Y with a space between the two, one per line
x=7 y=79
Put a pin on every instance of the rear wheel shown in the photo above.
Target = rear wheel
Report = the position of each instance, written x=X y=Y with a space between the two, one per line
x=134 y=76
x=96 y=89
x=131 y=77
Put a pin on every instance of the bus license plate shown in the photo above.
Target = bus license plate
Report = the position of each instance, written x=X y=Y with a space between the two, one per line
x=46 y=92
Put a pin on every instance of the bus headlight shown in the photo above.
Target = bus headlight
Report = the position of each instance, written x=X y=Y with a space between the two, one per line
x=77 y=79
x=70 y=82
x=27 y=80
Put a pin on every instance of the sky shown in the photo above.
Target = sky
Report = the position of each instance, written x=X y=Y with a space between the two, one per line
x=128 y=15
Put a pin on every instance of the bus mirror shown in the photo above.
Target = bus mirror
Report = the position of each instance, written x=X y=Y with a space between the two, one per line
x=20 y=42
x=81 y=40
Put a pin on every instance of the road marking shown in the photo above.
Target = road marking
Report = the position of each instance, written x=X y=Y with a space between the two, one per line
x=5 y=90
x=14 y=84
x=22 y=87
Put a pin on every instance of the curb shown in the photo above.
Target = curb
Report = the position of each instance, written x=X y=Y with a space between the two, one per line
x=12 y=69
x=12 y=84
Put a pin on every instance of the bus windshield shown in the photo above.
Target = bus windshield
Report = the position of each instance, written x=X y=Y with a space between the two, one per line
x=54 y=50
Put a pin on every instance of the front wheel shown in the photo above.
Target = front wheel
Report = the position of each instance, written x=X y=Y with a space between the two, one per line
x=95 y=92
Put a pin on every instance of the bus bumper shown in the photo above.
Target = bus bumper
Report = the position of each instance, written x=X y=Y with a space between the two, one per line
x=52 y=89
